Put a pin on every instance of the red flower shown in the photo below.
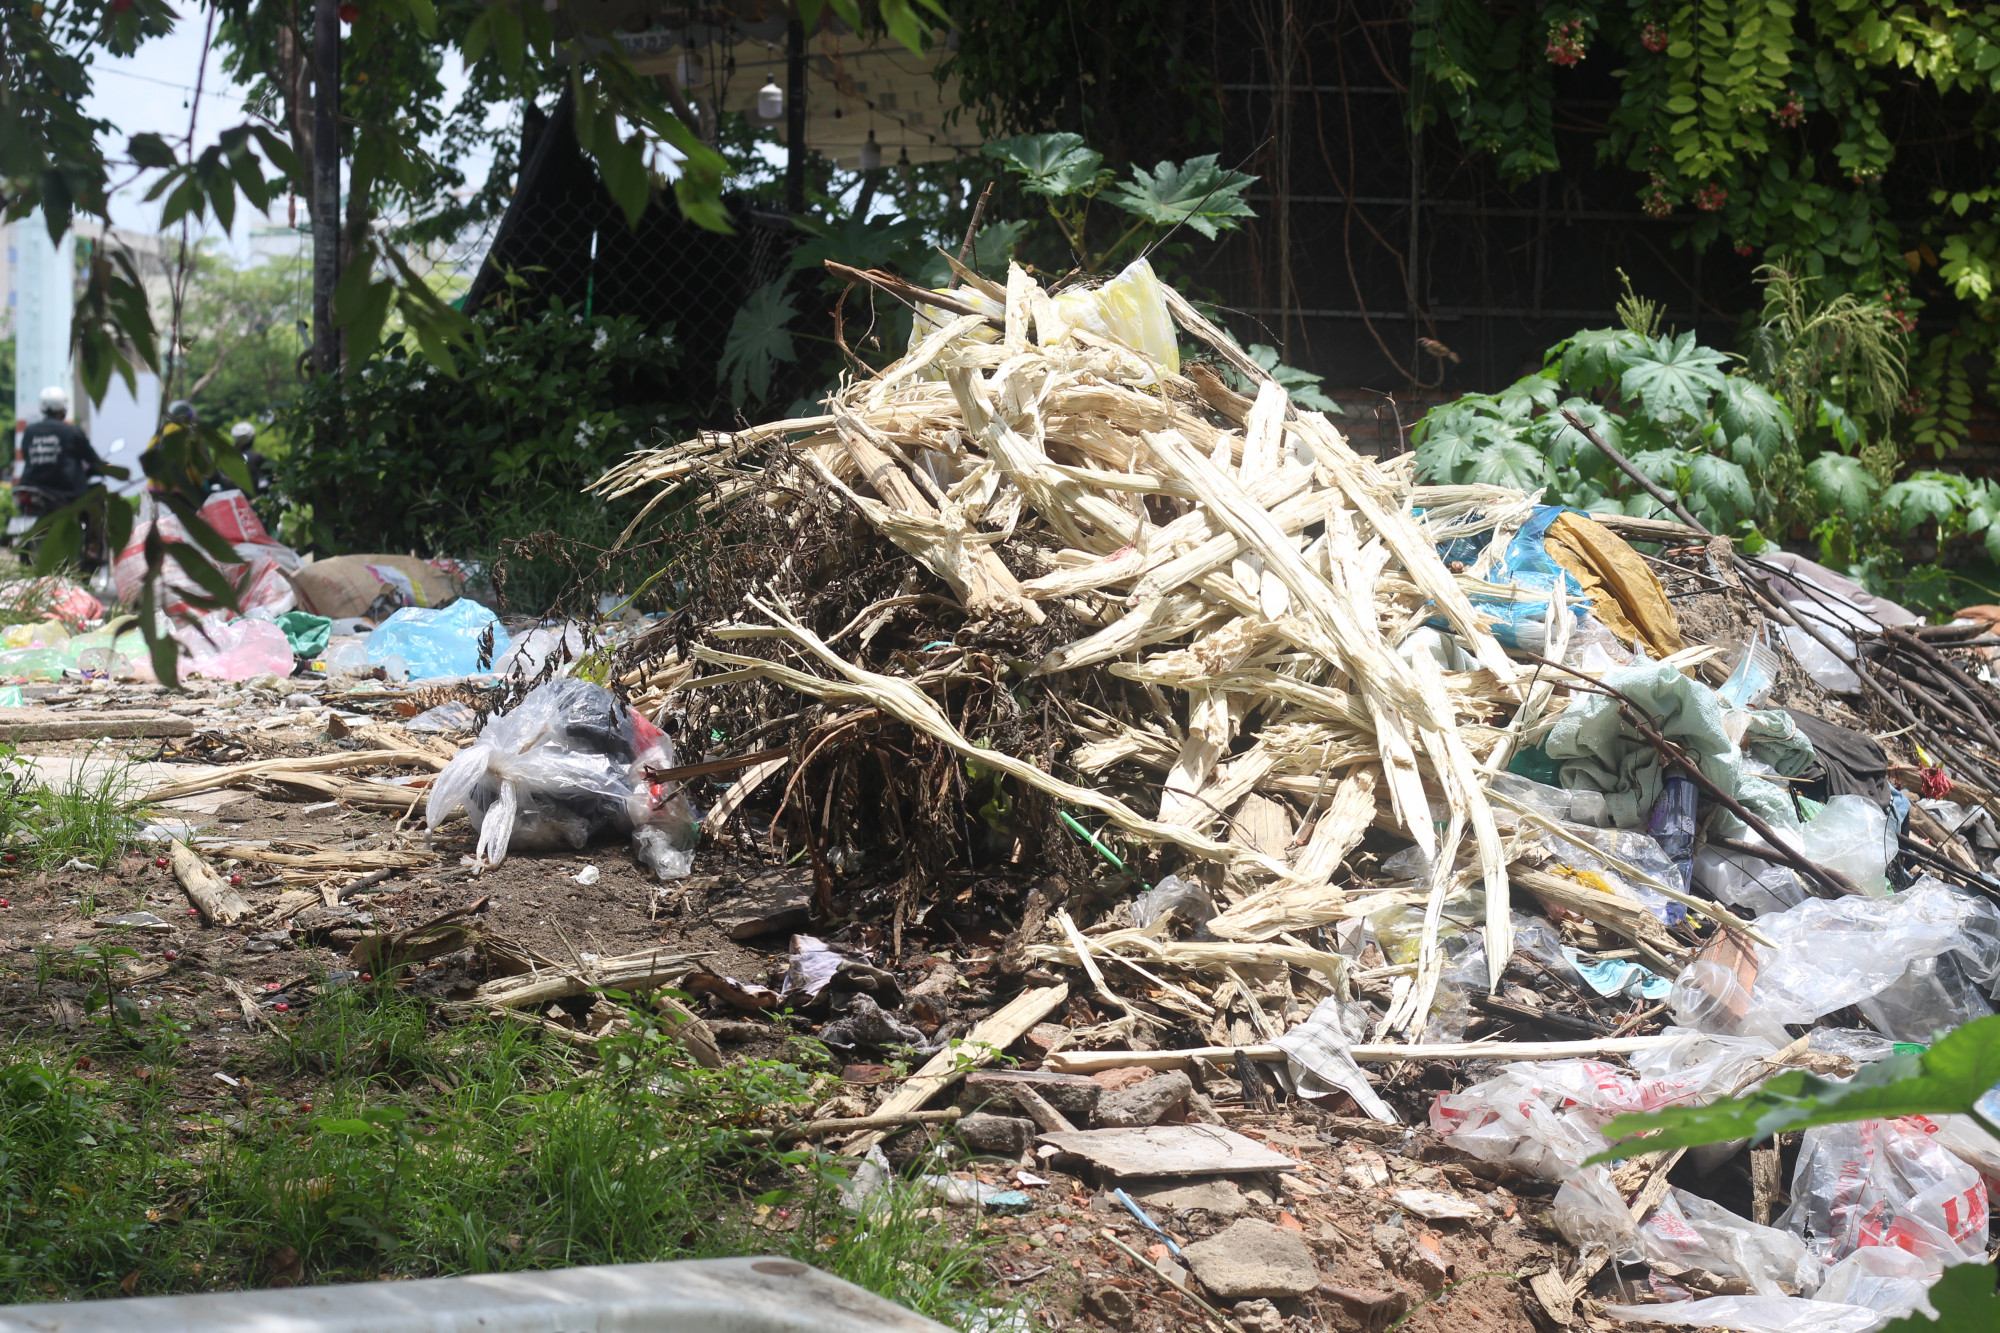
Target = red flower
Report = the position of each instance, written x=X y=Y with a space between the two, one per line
x=1710 y=197
x=1791 y=115
x=1566 y=42
x=1653 y=37
x=1743 y=250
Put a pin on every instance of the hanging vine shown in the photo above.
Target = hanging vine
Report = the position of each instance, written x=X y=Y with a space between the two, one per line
x=1853 y=143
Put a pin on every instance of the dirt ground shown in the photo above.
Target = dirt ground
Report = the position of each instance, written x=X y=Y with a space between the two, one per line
x=1377 y=1259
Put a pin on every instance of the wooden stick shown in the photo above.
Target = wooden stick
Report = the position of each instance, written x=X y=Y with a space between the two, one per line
x=1624 y=465
x=211 y=895
x=819 y=1129
x=992 y=1036
x=972 y=227
x=318 y=763
x=714 y=766
x=1150 y=1267
x=1086 y=1062
x=905 y=290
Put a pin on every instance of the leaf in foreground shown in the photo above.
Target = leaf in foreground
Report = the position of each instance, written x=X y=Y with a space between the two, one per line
x=1948 y=1079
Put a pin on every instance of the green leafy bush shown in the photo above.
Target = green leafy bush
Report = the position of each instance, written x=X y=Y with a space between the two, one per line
x=1727 y=440
x=417 y=462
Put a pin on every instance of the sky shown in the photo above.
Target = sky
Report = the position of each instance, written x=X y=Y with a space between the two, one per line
x=152 y=91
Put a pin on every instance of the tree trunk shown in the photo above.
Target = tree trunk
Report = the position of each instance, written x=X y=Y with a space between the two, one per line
x=326 y=182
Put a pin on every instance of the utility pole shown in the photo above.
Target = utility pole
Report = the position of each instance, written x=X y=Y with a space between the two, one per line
x=326 y=183
x=795 y=114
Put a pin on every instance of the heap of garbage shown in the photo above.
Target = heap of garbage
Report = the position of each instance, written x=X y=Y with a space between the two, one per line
x=1326 y=774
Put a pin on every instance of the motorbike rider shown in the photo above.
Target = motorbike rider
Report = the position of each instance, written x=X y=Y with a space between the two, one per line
x=184 y=475
x=57 y=467
x=244 y=436
x=57 y=454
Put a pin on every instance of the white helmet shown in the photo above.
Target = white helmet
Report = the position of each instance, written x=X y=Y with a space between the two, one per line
x=242 y=432
x=55 y=402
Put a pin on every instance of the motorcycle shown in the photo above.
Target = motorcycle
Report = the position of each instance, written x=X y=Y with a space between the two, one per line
x=32 y=504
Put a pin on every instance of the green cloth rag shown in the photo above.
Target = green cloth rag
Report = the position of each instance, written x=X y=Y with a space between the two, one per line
x=1599 y=752
x=307 y=633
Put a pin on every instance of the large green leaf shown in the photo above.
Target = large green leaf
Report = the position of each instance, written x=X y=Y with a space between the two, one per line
x=1302 y=385
x=1673 y=375
x=1053 y=164
x=863 y=243
x=1927 y=495
x=1207 y=197
x=1519 y=400
x=1948 y=1079
x=1723 y=487
x=1595 y=357
x=1513 y=463
x=759 y=337
x=1756 y=422
x=1663 y=467
x=1842 y=484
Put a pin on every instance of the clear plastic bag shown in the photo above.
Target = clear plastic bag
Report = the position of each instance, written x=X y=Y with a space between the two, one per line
x=1882 y=1278
x=1688 y=1231
x=1755 y=1314
x=1748 y=882
x=1887 y=1182
x=1828 y=672
x=1188 y=901
x=1852 y=835
x=530 y=653
x=570 y=763
x=443 y=642
x=1915 y=962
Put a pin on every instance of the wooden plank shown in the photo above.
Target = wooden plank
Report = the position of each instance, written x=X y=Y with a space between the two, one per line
x=1170 y=1150
x=211 y=895
x=1084 y=1062
x=207 y=778
x=360 y=859
x=41 y=724
x=992 y=1036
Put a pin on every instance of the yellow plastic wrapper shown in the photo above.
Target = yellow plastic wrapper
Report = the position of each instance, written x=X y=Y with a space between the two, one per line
x=1129 y=309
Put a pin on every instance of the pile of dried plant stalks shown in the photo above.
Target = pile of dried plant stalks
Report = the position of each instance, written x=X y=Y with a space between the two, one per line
x=1231 y=582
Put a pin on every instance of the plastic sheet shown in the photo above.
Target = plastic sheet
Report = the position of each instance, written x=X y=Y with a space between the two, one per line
x=1852 y=835
x=235 y=650
x=530 y=653
x=1887 y=1182
x=1748 y=882
x=1188 y=901
x=1756 y=1314
x=1883 y=1278
x=437 y=643
x=567 y=765
x=1130 y=308
x=1688 y=1231
x=1914 y=963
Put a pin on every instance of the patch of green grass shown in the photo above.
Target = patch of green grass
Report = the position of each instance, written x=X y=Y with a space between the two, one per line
x=87 y=814
x=478 y=1148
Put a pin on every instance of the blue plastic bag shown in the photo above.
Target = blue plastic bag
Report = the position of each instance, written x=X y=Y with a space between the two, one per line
x=1524 y=565
x=442 y=642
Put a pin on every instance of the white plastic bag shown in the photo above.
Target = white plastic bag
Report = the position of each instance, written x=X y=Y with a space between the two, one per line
x=566 y=765
x=1188 y=901
x=1887 y=1182
x=1883 y=1278
x=1544 y=1118
x=1748 y=882
x=1688 y=1231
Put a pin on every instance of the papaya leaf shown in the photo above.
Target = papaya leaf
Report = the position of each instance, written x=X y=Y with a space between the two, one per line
x=1673 y=375
x=1842 y=484
x=759 y=337
x=1926 y=495
x=1207 y=197
x=1054 y=164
